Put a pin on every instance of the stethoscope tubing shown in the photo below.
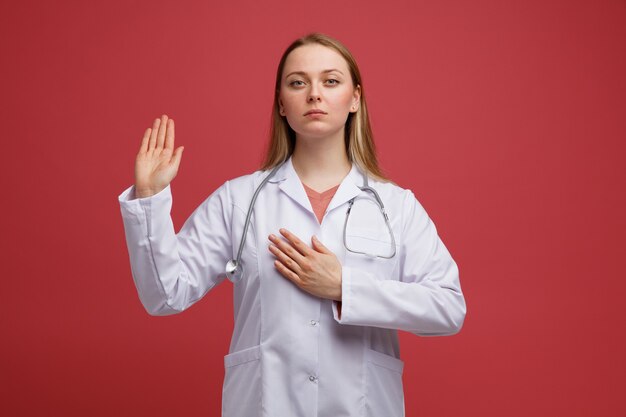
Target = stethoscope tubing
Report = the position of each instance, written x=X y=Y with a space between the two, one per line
x=234 y=265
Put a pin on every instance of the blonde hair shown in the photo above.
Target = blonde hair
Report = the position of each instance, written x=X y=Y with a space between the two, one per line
x=359 y=139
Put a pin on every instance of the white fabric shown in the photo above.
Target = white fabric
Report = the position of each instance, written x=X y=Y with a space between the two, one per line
x=290 y=354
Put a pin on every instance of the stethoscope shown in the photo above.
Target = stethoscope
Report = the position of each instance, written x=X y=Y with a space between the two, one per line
x=234 y=269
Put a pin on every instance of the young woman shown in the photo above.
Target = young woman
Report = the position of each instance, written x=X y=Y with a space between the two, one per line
x=328 y=258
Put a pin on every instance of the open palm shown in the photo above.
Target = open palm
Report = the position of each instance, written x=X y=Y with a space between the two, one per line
x=157 y=162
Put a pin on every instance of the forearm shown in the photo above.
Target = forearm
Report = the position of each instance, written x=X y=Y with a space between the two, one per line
x=423 y=308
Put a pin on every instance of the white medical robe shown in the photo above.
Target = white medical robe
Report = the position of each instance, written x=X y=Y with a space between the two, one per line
x=290 y=355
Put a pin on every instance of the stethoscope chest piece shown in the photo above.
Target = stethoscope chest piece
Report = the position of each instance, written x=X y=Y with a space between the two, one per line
x=234 y=271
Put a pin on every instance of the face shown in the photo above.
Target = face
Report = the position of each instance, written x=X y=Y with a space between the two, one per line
x=316 y=77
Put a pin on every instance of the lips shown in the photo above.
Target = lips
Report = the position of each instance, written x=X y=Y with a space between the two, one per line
x=314 y=111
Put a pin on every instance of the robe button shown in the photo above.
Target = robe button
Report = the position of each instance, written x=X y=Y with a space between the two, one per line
x=313 y=323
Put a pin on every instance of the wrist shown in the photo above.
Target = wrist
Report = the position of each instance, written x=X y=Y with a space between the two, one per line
x=144 y=192
x=139 y=194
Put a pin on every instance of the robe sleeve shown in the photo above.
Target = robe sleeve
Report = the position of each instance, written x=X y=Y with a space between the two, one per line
x=427 y=299
x=172 y=271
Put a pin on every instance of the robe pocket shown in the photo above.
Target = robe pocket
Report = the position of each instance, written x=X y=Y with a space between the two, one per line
x=384 y=395
x=241 y=395
x=375 y=243
x=375 y=240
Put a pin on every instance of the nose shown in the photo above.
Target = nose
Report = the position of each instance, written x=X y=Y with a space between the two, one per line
x=314 y=95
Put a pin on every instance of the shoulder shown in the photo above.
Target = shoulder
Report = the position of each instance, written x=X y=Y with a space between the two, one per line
x=244 y=181
x=390 y=191
x=240 y=189
x=400 y=202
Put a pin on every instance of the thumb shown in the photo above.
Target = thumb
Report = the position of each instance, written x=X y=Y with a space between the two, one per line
x=319 y=245
x=178 y=154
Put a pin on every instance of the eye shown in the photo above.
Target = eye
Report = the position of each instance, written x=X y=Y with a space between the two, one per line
x=296 y=81
x=335 y=81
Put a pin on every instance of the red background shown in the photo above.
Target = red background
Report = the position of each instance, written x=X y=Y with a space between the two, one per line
x=506 y=118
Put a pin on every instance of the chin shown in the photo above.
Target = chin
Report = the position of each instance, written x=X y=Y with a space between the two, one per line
x=321 y=132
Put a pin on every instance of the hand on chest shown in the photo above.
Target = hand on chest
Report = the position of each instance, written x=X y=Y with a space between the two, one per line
x=358 y=237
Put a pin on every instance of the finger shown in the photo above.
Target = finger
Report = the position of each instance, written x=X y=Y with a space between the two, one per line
x=319 y=245
x=169 y=135
x=300 y=246
x=287 y=273
x=178 y=154
x=286 y=247
x=162 y=129
x=153 y=134
x=286 y=260
x=144 y=142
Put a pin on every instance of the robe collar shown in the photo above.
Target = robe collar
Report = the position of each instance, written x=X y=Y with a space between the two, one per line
x=289 y=182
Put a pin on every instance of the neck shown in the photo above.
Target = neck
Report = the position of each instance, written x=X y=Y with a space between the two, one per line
x=321 y=162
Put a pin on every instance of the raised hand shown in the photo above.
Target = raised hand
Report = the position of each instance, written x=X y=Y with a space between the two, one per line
x=157 y=163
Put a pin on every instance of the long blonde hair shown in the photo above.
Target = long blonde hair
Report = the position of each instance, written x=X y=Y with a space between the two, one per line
x=359 y=139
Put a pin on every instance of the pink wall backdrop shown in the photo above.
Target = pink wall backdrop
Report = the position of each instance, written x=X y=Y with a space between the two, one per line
x=506 y=118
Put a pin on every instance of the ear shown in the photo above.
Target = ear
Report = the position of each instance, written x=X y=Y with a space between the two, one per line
x=281 y=108
x=356 y=100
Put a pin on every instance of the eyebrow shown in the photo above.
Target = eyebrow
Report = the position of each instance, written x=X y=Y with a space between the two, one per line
x=304 y=73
